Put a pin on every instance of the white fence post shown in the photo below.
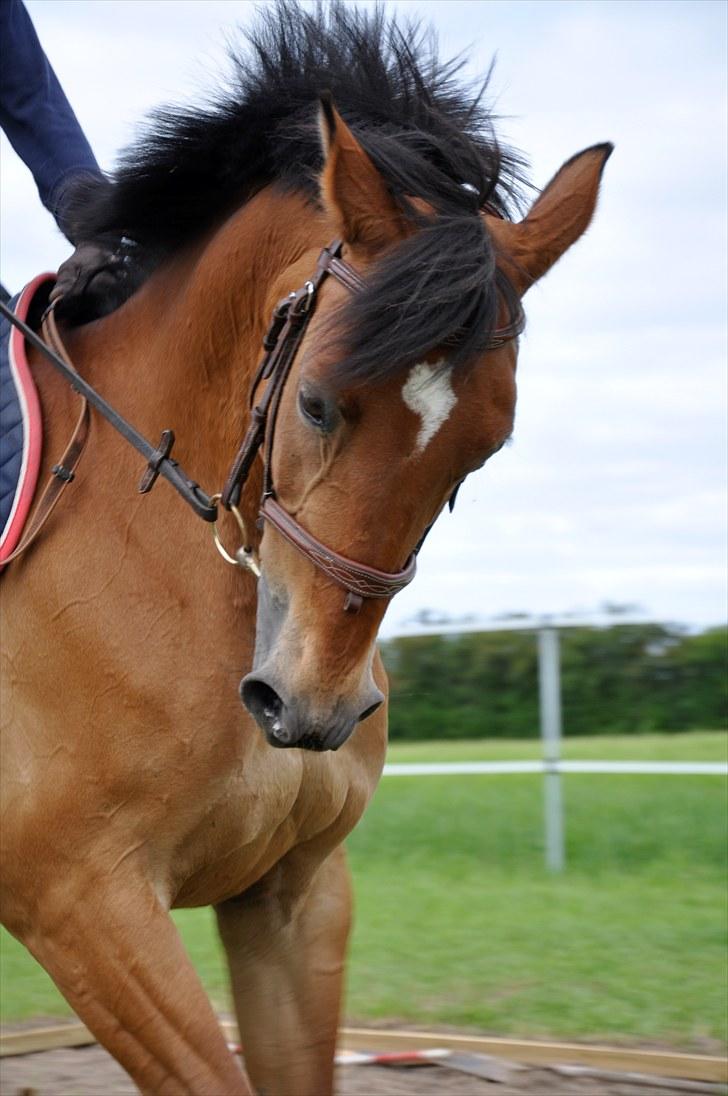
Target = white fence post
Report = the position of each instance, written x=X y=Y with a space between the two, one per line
x=551 y=765
x=549 y=683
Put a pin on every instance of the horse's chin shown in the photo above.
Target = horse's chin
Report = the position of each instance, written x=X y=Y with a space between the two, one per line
x=308 y=742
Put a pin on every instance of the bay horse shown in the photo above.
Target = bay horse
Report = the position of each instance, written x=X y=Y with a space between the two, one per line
x=135 y=780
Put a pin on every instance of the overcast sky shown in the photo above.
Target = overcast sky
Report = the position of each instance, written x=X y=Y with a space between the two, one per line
x=614 y=489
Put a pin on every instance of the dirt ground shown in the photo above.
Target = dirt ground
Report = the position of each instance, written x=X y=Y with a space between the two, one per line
x=90 y=1071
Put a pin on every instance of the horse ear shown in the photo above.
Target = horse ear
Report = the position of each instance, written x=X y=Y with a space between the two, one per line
x=353 y=190
x=556 y=220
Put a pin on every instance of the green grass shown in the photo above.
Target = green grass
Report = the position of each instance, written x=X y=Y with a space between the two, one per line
x=537 y=957
x=458 y=923
x=693 y=746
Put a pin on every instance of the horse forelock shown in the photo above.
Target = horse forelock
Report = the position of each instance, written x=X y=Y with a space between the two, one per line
x=439 y=291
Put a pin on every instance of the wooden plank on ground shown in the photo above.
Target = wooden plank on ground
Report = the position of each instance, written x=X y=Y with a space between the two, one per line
x=697 y=1067
x=55 y=1037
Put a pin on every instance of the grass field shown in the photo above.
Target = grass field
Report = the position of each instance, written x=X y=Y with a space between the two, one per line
x=458 y=923
x=694 y=746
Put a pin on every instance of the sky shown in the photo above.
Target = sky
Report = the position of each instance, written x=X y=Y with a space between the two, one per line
x=614 y=488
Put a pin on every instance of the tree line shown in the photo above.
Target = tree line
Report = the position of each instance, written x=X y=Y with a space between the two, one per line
x=623 y=679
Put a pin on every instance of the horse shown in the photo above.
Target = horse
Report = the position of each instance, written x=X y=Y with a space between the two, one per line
x=178 y=732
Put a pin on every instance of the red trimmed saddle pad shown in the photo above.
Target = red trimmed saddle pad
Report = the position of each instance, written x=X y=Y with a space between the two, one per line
x=21 y=426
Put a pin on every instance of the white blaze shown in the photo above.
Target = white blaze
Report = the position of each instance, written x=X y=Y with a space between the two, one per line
x=428 y=392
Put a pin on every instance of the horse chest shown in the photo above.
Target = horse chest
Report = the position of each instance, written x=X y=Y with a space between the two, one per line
x=269 y=810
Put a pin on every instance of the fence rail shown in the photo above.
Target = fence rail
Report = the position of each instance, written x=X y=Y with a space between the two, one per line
x=475 y=768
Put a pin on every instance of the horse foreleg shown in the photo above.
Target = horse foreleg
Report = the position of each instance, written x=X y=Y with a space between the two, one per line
x=115 y=954
x=287 y=971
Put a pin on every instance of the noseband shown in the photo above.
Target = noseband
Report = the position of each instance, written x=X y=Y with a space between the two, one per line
x=281 y=343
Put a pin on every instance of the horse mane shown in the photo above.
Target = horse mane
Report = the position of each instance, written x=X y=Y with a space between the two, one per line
x=426 y=129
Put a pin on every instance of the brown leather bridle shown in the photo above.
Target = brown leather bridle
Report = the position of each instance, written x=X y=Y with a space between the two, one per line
x=283 y=338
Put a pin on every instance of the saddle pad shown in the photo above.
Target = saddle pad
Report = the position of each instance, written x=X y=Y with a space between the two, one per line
x=20 y=423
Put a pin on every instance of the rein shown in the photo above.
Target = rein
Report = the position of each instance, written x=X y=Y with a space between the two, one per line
x=281 y=343
x=159 y=461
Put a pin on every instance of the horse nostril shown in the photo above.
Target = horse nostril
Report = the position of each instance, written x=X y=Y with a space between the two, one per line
x=264 y=704
x=370 y=710
x=295 y=723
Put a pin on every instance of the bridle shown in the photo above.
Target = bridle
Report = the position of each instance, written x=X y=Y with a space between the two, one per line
x=282 y=340
x=281 y=343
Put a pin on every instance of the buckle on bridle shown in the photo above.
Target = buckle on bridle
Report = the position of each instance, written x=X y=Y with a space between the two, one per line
x=301 y=302
x=280 y=314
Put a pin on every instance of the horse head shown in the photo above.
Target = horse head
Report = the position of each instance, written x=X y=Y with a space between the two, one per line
x=403 y=384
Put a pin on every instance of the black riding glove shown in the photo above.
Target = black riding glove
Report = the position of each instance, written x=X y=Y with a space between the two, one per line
x=101 y=273
x=92 y=283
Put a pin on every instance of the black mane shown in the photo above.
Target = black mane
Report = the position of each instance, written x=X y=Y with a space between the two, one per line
x=426 y=130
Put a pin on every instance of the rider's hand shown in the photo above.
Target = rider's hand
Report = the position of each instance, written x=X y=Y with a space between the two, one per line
x=92 y=283
x=99 y=274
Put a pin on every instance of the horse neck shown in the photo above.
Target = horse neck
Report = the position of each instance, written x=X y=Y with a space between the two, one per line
x=182 y=351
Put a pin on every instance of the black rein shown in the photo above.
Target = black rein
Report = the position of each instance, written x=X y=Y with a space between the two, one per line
x=159 y=461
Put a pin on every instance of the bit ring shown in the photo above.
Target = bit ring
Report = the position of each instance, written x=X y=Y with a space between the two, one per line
x=245 y=556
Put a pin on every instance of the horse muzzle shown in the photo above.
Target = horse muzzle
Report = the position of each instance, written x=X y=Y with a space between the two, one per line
x=292 y=722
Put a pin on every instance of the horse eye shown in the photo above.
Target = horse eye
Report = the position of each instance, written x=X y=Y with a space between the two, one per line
x=313 y=408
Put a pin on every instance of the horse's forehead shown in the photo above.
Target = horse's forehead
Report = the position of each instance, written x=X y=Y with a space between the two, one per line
x=428 y=392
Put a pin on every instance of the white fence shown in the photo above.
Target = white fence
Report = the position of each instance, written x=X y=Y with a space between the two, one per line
x=476 y=768
x=551 y=765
